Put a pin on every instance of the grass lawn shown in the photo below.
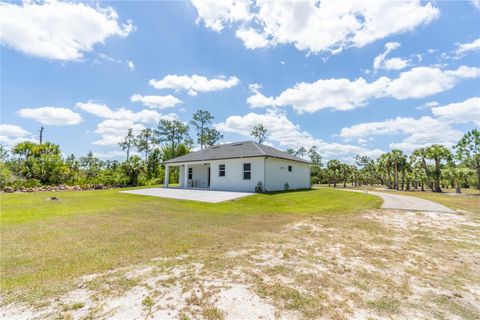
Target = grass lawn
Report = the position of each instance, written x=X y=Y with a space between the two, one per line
x=46 y=245
x=469 y=200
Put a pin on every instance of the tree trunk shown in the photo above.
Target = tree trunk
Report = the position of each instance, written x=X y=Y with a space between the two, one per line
x=437 y=176
x=478 y=175
x=334 y=179
x=422 y=187
x=396 y=176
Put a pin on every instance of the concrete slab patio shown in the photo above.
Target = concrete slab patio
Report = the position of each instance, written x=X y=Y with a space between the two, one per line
x=206 y=195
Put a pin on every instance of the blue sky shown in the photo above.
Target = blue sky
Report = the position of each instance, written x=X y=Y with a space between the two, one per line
x=311 y=73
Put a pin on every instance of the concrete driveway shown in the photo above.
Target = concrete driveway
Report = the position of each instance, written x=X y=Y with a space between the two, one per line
x=206 y=195
x=402 y=202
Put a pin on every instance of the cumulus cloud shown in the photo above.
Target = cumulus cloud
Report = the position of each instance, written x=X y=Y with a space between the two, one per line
x=284 y=133
x=11 y=134
x=390 y=64
x=422 y=82
x=194 y=84
x=424 y=131
x=58 y=30
x=51 y=115
x=112 y=131
x=158 y=102
x=12 y=130
x=345 y=94
x=460 y=112
x=464 y=48
x=315 y=26
x=215 y=14
x=103 y=111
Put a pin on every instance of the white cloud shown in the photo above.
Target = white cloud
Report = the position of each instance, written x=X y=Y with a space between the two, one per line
x=476 y=3
x=112 y=131
x=114 y=154
x=315 y=26
x=51 y=115
x=58 y=30
x=460 y=112
x=345 y=94
x=11 y=134
x=159 y=102
x=130 y=65
x=251 y=38
x=215 y=14
x=194 y=84
x=103 y=111
x=422 y=82
x=390 y=64
x=284 y=133
x=416 y=132
x=464 y=48
x=428 y=105
x=12 y=130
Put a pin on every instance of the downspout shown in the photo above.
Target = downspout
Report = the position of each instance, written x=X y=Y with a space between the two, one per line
x=265 y=174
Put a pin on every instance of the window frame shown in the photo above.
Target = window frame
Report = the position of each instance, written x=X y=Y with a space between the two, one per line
x=190 y=173
x=290 y=168
x=220 y=170
x=249 y=171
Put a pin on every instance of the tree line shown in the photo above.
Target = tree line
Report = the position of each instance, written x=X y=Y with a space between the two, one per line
x=430 y=168
x=29 y=164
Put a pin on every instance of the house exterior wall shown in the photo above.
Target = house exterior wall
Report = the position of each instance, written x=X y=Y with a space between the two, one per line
x=272 y=172
x=233 y=179
x=277 y=174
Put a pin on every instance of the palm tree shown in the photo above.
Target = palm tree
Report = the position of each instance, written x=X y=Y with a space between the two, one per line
x=437 y=153
x=418 y=158
x=334 y=166
x=468 y=152
x=396 y=157
x=345 y=171
x=384 y=166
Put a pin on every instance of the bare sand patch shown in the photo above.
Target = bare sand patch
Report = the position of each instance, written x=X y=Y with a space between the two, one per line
x=375 y=265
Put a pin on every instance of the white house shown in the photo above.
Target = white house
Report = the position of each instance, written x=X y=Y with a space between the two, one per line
x=241 y=166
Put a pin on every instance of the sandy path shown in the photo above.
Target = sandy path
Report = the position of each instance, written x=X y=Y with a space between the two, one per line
x=401 y=202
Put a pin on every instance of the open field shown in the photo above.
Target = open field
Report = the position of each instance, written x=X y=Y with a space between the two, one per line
x=47 y=243
x=306 y=254
x=469 y=200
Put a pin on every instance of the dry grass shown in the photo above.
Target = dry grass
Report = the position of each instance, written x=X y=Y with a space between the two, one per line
x=47 y=245
x=381 y=263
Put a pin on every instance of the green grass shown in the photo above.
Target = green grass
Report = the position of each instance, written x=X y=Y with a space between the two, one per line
x=47 y=245
x=469 y=200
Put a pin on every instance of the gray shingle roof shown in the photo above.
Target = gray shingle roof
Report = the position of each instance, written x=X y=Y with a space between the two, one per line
x=243 y=149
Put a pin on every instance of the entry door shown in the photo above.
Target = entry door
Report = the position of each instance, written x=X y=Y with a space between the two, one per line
x=209 y=176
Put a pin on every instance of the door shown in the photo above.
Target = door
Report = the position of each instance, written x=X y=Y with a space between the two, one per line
x=209 y=176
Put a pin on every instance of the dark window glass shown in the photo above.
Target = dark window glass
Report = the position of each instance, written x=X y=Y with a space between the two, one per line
x=247 y=171
x=221 y=170
x=289 y=168
x=190 y=173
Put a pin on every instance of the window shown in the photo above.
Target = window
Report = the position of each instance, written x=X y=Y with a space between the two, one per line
x=221 y=170
x=289 y=168
x=190 y=173
x=247 y=171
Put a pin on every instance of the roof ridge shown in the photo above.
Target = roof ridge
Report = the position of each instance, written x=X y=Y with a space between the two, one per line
x=260 y=149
